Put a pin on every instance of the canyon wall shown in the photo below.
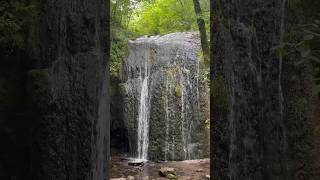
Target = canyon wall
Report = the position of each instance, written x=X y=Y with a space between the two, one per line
x=262 y=100
x=57 y=91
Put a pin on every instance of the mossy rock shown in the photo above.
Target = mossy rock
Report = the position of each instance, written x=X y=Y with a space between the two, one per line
x=207 y=123
x=168 y=173
x=122 y=88
x=178 y=91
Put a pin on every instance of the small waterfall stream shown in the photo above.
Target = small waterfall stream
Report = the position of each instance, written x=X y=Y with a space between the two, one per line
x=143 y=115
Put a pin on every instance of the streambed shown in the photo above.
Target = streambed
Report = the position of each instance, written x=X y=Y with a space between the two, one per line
x=188 y=169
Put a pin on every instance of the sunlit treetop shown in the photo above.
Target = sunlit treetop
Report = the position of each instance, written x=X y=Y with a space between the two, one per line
x=166 y=16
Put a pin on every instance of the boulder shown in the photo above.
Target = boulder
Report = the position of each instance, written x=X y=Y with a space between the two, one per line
x=168 y=173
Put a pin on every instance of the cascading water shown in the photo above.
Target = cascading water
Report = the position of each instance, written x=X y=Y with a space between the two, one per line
x=143 y=116
x=167 y=119
x=162 y=97
x=185 y=123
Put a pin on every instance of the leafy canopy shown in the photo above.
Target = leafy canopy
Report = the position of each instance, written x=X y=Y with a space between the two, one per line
x=166 y=16
x=134 y=18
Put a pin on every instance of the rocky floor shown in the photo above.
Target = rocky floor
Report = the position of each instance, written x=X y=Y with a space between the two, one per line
x=189 y=169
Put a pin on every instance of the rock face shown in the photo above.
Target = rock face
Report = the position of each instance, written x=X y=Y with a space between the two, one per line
x=54 y=111
x=165 y=69
x=71 y=139
x=261 y=121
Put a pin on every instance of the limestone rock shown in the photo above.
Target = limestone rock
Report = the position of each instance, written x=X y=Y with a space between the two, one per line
x=168 y=172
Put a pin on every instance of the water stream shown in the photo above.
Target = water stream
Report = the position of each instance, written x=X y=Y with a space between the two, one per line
x=143 y=116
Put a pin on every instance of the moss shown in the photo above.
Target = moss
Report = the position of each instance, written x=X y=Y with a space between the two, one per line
x=172 y=72
x=178 y=91
x=207 y=123
x=122 y=89
x=220 y=95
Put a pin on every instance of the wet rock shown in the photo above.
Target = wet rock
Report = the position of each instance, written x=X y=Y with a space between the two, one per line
x=168 y=172
x=176 y=124
x=135 y=163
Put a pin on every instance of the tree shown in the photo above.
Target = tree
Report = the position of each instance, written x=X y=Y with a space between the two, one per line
x=202 y=29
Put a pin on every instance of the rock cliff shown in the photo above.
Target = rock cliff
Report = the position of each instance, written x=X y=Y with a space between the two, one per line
x=263 y=130
x=57 y=127
x=162 y=74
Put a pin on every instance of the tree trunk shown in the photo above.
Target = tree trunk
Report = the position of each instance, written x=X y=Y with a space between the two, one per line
x=202 y=30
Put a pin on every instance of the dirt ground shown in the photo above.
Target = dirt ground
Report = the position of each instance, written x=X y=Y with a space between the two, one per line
x=185 y=170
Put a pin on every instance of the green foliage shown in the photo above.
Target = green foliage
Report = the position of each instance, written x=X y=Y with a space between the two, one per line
x=130 y=19
x=118 y=52
x=15 y=18
x=167 y=16
x=204 y=74
x=121 y=11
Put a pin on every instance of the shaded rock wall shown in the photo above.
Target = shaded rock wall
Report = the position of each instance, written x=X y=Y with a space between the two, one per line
x=72 y=139
x=176 y=125
x=263 y=130
x=56 y=125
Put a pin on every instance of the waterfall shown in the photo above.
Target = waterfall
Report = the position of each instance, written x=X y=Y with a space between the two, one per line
x=183 y=136
x=143 y=116
x=167 y=119
x=186 y=86
x=162 y=97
